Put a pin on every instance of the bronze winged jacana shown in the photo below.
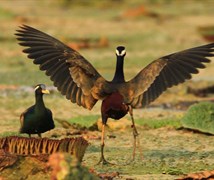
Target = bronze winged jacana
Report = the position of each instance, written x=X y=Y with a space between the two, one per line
x=81 y=83
x=37 y=119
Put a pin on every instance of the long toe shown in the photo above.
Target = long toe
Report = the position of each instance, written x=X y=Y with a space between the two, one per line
x=103 y=161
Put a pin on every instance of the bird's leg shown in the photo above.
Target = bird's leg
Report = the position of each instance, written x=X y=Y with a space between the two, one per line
x=39 y=134
x=103 y=143
x=29 y=135
x=135 y=134
x=102 y=160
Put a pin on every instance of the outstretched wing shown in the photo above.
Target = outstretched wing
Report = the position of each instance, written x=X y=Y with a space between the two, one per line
x=71 y=73
x=166 y=72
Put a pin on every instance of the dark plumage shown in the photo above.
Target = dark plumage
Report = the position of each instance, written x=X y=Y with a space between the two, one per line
x=37 y=119
x=80 y=82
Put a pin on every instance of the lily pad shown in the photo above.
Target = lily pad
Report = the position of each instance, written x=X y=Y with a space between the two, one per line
x=200 y=117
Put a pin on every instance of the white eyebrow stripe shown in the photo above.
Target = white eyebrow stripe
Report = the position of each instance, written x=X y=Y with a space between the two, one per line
x=36 y=87
x=117 y=52
x=123 y=52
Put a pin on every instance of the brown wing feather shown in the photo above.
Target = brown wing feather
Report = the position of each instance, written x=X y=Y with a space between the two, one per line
x=22 y=119
x=71 y=73
x=22 y=116
x=166 y=72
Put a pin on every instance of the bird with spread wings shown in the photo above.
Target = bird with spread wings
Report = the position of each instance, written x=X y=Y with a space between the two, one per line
x=77 y=79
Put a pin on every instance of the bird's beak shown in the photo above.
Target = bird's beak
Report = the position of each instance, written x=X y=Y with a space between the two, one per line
x=45 y=91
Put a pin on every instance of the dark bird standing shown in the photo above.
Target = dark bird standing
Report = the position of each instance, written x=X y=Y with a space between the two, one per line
x=37 y=119
x=80 y=82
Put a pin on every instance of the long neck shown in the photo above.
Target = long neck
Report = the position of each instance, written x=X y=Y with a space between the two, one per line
x=39 y=101
x=119 y=75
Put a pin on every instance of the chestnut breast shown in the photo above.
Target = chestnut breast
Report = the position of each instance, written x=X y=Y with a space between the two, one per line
x=114 y=107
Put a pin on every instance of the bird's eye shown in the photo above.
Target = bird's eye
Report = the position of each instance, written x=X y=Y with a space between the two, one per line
x=43 y=86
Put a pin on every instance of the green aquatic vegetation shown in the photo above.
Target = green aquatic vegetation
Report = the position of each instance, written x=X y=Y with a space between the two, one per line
x=88 y=121
x=10 y=133
x=158 y=123
x=85 y=121
x=200 y=117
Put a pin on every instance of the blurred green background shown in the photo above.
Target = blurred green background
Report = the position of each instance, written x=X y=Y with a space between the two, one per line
x=148 y=29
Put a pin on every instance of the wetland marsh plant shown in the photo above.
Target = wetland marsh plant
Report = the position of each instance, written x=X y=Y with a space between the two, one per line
x=200 y=117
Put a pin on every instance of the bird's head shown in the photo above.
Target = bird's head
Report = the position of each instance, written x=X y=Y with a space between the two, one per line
x=120 y=51
x=41 y=89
